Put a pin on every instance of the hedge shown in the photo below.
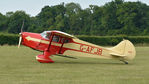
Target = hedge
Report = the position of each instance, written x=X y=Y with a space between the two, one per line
x=9 y=39
x=113 y=40
x=12 y=39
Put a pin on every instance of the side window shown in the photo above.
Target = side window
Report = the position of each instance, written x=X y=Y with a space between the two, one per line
x=56 y=39
x=66 y=40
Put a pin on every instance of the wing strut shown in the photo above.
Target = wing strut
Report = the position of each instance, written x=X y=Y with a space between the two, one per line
x=62 y=45
x=51 y=38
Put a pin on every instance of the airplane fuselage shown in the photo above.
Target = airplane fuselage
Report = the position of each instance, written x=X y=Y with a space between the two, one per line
x=59 y=44
x=74 y=47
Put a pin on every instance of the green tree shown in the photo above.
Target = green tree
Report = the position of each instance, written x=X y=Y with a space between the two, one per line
x=133 y=15
x=3 y=22
x=109 y=20
x=15 y=22
x=73 y=16
x=114 y=18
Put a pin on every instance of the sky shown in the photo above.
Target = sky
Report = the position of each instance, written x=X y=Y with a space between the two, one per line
x=33 y=7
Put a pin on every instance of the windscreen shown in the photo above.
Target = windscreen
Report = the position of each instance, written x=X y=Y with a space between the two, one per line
x=45 y=34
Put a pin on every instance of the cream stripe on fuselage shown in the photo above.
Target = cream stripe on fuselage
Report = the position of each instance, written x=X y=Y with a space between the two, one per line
x=36 y=40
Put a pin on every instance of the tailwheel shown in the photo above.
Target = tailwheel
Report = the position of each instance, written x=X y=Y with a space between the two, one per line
x=124 y=61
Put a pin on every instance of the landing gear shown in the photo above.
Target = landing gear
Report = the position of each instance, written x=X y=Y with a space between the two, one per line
x=44 y=58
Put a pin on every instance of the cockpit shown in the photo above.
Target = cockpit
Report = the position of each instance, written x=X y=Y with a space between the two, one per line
x=56 y=38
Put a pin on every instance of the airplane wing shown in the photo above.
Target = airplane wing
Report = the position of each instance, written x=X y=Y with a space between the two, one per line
x=63 y=34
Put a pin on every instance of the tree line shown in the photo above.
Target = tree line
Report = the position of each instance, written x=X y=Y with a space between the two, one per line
x=114 y=18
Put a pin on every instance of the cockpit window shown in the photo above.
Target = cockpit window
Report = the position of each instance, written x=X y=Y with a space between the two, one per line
x=56 y=39
x=45 y=34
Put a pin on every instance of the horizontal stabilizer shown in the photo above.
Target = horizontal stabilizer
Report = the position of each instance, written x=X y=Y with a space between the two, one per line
x=117 y=55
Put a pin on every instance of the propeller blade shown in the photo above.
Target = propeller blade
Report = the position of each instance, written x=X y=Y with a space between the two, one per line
x=20 y=40
x=22 y=27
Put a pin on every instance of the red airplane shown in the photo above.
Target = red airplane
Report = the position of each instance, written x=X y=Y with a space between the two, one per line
x=63 y=44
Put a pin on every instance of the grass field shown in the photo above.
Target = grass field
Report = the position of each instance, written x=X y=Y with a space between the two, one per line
x=19 y=66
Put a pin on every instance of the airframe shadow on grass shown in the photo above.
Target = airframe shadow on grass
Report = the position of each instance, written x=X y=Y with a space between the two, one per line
x=79 y=60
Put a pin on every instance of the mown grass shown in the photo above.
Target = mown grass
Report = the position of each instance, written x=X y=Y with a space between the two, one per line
x=19 y=66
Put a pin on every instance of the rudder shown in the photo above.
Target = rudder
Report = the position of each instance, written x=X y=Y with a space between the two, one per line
x=126 y=49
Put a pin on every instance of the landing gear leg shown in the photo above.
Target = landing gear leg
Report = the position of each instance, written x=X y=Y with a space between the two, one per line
x=44 y=58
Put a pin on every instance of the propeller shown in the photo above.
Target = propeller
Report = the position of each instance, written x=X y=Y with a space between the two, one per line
x=22 y=27
x=20 y=38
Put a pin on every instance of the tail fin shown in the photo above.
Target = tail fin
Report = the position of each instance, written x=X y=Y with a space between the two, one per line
x=124 y=49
